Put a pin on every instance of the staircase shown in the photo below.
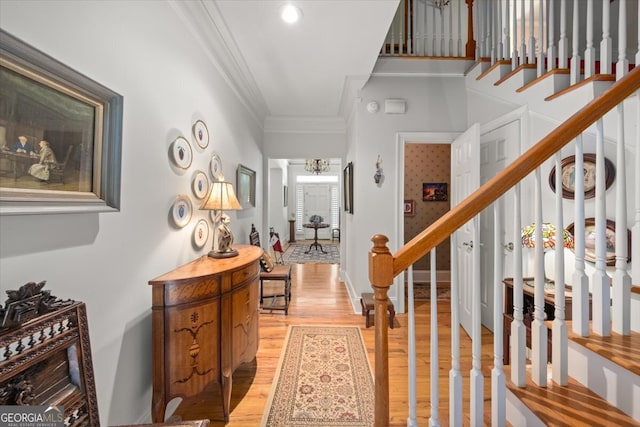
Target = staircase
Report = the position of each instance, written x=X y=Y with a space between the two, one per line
x=593 y=374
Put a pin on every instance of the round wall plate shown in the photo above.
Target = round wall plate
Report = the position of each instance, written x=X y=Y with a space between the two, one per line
x=181 y=210
x=201 y=233
x=200 y=184
x=181 y=153
x=201 y=134
x=216 y=166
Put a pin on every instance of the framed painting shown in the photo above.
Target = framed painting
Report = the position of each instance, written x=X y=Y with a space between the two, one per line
x=568 y=169
x=347 y=181
x=60 y=136
x=590 y=241
x=246 y=186
x=409 y=207
x=434 y=192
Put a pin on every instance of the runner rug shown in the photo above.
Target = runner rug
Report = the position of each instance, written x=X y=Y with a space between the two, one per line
x=323 y=379
x=295 y=254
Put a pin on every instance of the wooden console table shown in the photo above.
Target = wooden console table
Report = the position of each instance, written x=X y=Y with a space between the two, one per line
x=528 y=308
x=205 y=324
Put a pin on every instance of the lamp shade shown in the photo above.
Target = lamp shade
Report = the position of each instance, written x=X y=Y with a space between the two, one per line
x=548 y=236
x=221 y=196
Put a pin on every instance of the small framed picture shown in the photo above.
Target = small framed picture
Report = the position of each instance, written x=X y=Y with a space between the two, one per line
x=409 y=207
x=568 y=172
x=435 y=192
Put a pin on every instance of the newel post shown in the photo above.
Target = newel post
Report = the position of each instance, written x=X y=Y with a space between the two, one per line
x=381 y=278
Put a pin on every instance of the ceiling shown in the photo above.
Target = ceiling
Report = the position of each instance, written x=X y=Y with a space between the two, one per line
x=303 y=69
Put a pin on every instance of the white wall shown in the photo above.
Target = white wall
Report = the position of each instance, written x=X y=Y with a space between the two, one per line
x=434 y=104
x=107 y=259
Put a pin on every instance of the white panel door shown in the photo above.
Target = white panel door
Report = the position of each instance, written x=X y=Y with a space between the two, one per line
x=465 y=172
x=317 y=201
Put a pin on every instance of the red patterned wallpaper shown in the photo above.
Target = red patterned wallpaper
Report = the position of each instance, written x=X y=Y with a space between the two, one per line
x=426 y=163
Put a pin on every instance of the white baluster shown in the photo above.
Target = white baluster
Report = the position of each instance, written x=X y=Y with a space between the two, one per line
x=580 y=289
x=575 y=58
x=443 y=12
x=559 y=351
x=590 y=50
x=532 y=36
x=476 y=379
x=450 y=30
x=606 y=43
x=518 y=343
x=506 y=38
x=434 y=420
x=540 y=65
x=563 y=43
x=622 y=66
x=411 y=330
x=538 y=327
x=461 y=51
x=552 y=52
x=523 y=40
x=432 y=32
x=411 y=27
x=455 y=376
x=498 y=379
x=621 y=308
x=635 y=230
x=514 y=55
x=489 y=36
x=600 y=281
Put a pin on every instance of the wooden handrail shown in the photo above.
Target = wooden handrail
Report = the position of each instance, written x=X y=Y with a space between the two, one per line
x=384 y=266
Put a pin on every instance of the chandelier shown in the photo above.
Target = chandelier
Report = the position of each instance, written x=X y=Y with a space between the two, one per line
x=316 y=166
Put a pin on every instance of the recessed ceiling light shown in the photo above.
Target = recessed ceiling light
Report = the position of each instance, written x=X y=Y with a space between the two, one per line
x=290 y=13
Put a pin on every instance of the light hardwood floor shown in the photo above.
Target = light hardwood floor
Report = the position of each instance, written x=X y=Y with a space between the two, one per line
x=319 y=297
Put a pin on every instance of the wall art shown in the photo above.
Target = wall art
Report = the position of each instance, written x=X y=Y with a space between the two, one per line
x=181 y=210
x=200 y=184
x=347 y=182
x=215 y=166
x=201 y=233
x=181 y=153
x=201 y=134
x=435 y=192
x=85 y=138
x=590 y=241
x=568 y=167
x=246 y=186
x=409 y=207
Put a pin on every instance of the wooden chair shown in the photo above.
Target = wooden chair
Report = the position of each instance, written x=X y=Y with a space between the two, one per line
x=270 y=272
x=59 y=170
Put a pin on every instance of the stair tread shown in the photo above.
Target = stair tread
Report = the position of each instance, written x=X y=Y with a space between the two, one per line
x=570 y=405
x=620 y=349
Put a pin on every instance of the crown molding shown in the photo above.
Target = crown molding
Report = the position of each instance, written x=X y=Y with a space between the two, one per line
x=205 y=21
x=305 y=125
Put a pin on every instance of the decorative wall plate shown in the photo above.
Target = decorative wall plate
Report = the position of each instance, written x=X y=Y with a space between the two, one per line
x=201 y=233
x=215 y=166
x=181 y=210
x=201 y=134
x=181 y=153
x=568 y=168
x=200 y=184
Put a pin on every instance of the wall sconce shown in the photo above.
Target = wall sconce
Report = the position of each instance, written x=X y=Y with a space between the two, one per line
x=378 y=177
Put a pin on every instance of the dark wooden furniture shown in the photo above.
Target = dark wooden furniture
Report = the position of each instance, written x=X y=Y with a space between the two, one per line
x=292 y=231
x=205 y=324
x=528 y=308
x=315 y=226
x=45 y=355
x=367 y=303
x=278 y=273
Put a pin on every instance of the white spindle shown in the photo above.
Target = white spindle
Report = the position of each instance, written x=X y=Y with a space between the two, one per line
x=532 y=35
x=563 y=43
x=432 y=32
x=606 y=43
x=621 y=309
x=523 y=40
x=518 y=343
x=489 y=35
x=434 y=420
x=552 y=52
x=580 y=288
x=443 y=12
x=635 y=230
x=476 y=379
x=600 y=280
x=538 y=327
x=411 y=330
x=622 y=66
x=506 y=41
x=426 y=41
x=559 y=349
x=514 y=55
x=575 y=58
x=461 y=51
x=450 y=30
x=540 y=65
x=455 y=375
x=590 y=50
x=498 y=379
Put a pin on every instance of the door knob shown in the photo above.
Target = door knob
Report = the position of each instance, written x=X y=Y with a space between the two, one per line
x=509 y=246
x=469 y=245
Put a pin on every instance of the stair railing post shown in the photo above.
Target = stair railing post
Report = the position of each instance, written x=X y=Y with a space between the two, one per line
x=606 y=43
x=381 y=278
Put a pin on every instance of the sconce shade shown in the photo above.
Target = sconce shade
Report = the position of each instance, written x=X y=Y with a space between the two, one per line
x=221 y=196
x=548 y=237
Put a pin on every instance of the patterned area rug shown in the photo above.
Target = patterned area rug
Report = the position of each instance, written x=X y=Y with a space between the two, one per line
x=295 y=253
x=422 y=291
x=323 y=379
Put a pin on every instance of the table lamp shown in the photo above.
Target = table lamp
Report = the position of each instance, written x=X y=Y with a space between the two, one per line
x=221 y=197
x=548 y=238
